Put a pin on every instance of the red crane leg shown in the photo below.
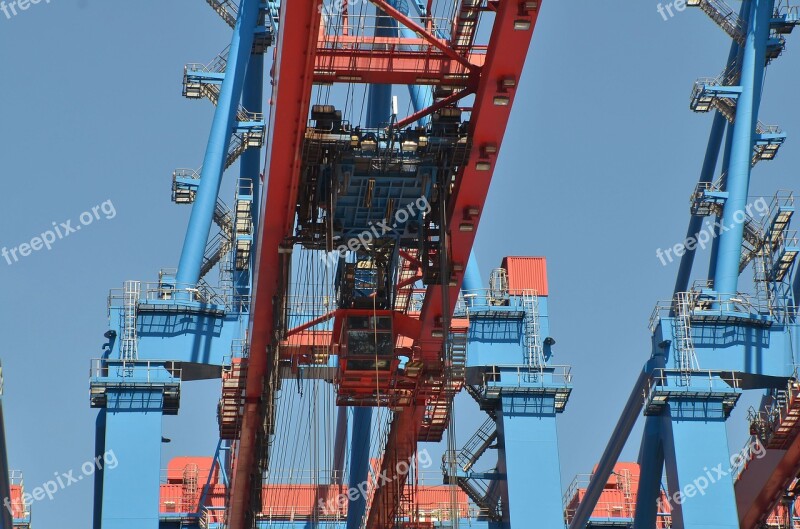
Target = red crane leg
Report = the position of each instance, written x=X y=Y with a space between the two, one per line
x=293 y=77
x=401 y=446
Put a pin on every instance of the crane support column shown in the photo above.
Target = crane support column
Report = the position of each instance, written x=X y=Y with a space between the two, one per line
x=510 y=375
x=134 y=396
x=726 y=277
x=529 y=447
x=696 y=450
x=217 y=149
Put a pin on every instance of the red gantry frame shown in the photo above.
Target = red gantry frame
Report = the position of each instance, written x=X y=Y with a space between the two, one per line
x=304 y=56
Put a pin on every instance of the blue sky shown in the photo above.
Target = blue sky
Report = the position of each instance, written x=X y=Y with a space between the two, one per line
x=595 y=173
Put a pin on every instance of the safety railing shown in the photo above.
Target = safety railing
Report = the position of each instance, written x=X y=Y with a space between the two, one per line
x=553 y=376
x=618 y=508
x=699 y=380
x=712 y=304
x=164 y=292
x=134 y=371
x=484 y=298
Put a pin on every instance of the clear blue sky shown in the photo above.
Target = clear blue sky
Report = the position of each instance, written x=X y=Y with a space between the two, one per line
x=595 y=173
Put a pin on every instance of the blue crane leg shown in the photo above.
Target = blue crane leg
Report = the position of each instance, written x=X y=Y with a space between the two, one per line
x=696 y=222
x=473 y=280
x=651 y=466
x=695 y=444
x=217 y=149
x=99 y=449
x=133 y=435
x=707 y=175
x=528 y=456
x=726 y=162
x=726 y=275
x=359 y=464
x=250 y=161
x=339 y=447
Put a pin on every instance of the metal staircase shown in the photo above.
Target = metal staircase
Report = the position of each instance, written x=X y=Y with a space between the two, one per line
x=480 y=492
x=477 y=445
x=226 y=9
x=201 y=80
x=752 y=242
x=437 y=410
x=234 y=377
x=725 y=17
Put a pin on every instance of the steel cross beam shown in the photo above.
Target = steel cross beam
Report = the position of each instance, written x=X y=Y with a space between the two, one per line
x=293 y=77
x=508 y=47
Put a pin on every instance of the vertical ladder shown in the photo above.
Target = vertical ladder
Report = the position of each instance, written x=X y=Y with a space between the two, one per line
x=189 y=491
x=682 y=331
x=534 y=351
x=129 y=346
x=627 y=493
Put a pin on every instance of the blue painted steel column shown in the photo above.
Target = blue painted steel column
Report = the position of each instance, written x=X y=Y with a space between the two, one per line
x=696 y=222
x=707 y=174
x=99 y=449
x=651 y=466
x=528 y=456
x=696 y=450
x=473 y=280
x=339 y=447
x=133 y=434
x=250 y=161
x=651 y=461
x=726 y=163
x=194 y=244
x=359 y=464
x=726 y=276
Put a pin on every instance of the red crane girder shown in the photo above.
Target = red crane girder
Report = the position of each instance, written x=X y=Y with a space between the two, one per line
x=508 y=47
x=303 y=57
x=291 y=95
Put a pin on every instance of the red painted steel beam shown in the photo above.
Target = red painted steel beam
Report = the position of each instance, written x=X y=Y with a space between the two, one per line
x=763 y=483
x=309 y=324
x=508 y=47
x=505 y=59
x=393 y=66
x=447 y=101
x=293 y=78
